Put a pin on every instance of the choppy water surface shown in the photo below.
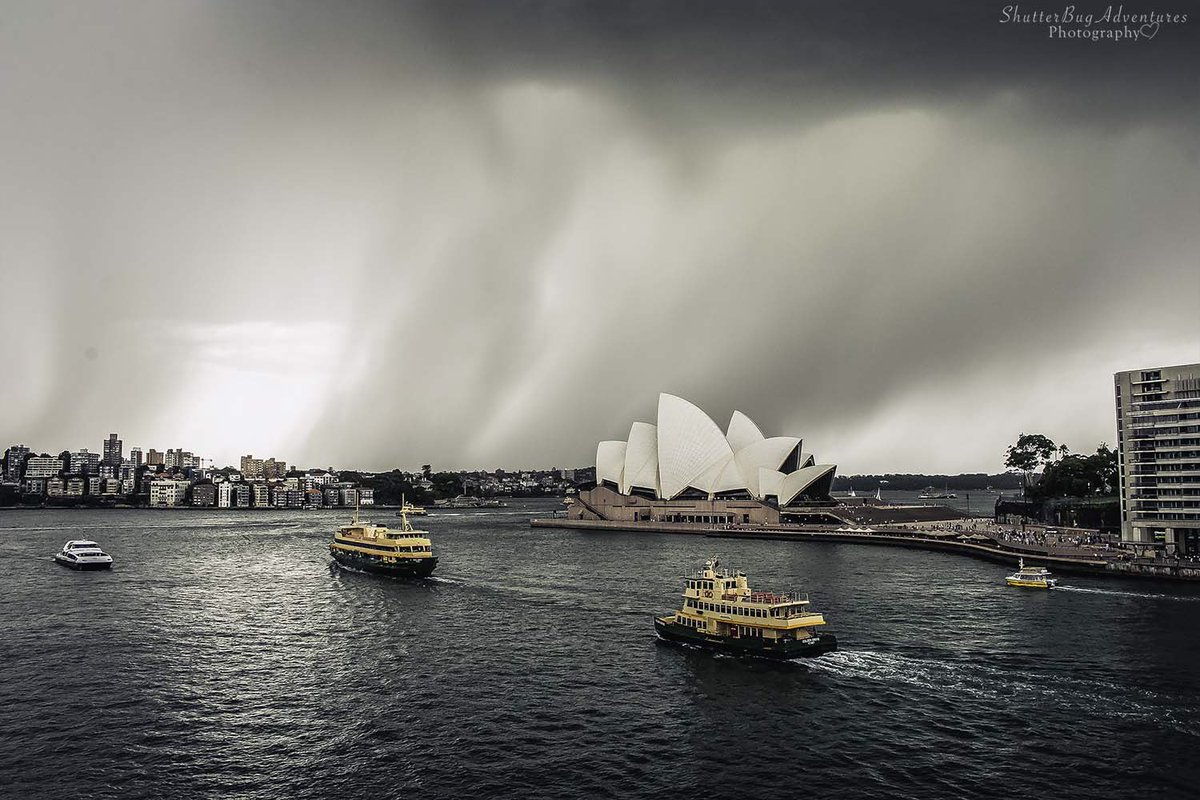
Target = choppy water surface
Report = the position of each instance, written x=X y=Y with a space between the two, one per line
x=226 y=656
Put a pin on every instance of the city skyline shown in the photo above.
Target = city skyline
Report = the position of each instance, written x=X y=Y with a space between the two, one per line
x=483 y=233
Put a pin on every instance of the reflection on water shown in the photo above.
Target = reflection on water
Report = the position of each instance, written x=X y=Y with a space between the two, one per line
x=226 y=655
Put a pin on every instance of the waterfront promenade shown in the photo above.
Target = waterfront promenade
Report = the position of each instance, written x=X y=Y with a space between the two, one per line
x=978 y=538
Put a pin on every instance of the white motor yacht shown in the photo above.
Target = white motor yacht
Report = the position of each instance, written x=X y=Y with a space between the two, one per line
x=82 y=554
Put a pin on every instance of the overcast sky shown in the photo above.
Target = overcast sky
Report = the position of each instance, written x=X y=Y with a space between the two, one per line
x=488 y=234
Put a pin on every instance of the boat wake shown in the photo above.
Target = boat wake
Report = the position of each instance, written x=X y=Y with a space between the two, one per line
x=1119 y=593
x=984 y=682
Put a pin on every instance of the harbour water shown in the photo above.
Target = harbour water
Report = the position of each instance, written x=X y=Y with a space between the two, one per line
x=225 y=655
x=978 y=503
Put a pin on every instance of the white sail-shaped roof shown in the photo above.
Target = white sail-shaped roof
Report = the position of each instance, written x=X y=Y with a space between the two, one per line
x=742 y=432
x=769 y=482
x=722 y=475
x=769 y=453
x=797 y=482
x=687 y=449
x=610 y=462
x=641 y=458
x=688 y=444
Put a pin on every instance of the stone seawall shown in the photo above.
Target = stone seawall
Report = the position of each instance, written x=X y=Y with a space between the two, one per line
x=995 y=551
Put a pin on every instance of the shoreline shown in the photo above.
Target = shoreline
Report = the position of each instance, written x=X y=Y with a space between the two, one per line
x=1135 y=569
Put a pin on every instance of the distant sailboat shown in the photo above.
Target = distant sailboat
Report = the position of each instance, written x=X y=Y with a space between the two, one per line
x=878 y=496
x=852 y=494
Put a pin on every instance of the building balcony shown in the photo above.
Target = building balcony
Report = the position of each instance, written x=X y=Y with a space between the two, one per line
x=1165 y=516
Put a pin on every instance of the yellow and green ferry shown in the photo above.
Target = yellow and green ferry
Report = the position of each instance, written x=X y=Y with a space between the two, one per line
x=404 y=553
x=720 y=612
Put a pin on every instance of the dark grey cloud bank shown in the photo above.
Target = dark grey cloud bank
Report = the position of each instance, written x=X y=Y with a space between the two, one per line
x=490 y=233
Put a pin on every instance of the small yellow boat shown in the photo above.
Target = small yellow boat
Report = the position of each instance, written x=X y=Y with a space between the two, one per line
x=1031 y=577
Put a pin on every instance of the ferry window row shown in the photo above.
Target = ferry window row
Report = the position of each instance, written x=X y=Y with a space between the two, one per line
x=727 y=609
x=700 y=584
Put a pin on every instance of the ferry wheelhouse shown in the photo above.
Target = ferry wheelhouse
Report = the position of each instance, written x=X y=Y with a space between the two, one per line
x=721 y=612
x=408 y=509
x=1031 y=577
x=405 y=553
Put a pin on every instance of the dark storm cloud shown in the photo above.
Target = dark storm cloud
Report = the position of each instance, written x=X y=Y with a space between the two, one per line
x=773 y=58
x=482 y=234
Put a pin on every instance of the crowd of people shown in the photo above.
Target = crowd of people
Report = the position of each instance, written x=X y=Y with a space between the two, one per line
x=1042 y=538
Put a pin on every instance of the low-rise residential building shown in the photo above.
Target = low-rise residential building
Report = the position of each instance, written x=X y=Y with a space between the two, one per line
x=241 y=495
x=225 y=495
x=76 y=486
x=260 y=495
x=366 y=497
x=56 y=487
x=204 y=494
x=167 y=492
x=318 y=479
x=34 y=486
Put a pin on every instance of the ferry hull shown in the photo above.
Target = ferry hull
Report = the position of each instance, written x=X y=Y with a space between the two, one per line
x=401 y=568
x=1031 y=584
x=818 y=644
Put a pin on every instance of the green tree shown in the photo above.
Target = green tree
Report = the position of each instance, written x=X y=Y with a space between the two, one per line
x=1031 y=451
x=1077 y=475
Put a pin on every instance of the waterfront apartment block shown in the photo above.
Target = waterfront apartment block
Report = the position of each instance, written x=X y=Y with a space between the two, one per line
x=168 y=492
x=204 y=494
x=1158 y=446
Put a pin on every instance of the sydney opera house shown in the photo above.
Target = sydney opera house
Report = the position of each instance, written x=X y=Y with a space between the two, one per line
x=685 y=469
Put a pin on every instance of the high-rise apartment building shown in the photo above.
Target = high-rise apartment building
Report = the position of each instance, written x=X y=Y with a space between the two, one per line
x=1158 y=446
x=154 y=458
x=113 y=448
x=15 y=462
x=135 y=455
x=252 y=468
